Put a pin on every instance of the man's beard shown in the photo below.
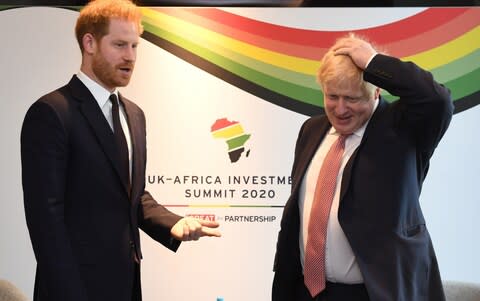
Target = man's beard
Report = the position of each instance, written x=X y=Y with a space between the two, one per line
x=107 y=74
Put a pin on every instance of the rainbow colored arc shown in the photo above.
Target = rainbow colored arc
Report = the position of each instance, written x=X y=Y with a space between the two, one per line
x=279 y=63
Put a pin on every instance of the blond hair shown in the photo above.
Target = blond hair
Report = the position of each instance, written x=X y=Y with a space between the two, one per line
x=95 y=17
x=341 y=71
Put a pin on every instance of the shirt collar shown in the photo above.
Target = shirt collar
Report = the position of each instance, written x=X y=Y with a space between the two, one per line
x=100 y=94
x=359 y=132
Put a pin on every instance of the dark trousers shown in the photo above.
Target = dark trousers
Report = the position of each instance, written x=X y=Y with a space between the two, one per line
x=136 y=289
x=333 y=292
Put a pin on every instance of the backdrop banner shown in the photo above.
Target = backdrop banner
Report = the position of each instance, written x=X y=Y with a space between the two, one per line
x=225 y=92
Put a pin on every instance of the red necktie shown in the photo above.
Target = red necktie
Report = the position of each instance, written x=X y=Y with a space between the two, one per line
x=314 y=265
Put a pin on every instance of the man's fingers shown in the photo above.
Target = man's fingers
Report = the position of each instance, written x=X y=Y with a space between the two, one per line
x=193 y=229
x=208 y=228
x=342 y=51
x=210 y=232
x=186 y=230
x=210 y=224
x=358 y=50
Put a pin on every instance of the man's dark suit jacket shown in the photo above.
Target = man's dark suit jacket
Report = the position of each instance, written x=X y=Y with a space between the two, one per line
x=82 y=220
x=379 y=200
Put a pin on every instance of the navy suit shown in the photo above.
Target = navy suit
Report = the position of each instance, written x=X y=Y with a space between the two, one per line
x=83 y=221
x=379 y=199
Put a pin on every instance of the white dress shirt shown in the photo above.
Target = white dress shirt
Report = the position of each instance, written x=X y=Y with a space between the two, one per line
x=340 y=262
x=102 y=95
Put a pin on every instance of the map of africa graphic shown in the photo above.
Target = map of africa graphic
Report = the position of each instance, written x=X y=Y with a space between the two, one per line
x=233 y=134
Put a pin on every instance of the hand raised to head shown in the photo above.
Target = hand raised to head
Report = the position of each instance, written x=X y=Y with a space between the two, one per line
x=189 y=228
x=360 y=51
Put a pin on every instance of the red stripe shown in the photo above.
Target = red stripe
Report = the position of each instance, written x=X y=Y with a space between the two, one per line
x=437 y=36
x=296 y=50
x=414 y=25
x=222 y=123
x=461 y=20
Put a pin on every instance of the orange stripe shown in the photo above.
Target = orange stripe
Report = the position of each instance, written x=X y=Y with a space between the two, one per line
x=437 y=36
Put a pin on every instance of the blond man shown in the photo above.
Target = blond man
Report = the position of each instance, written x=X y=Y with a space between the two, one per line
x=352 y=229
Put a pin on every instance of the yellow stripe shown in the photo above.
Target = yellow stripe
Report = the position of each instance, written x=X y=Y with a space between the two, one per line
x=228 y=132
x=217 y=43
x=212 y=40
x=448 y=52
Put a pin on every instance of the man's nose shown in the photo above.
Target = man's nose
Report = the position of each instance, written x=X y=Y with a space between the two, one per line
x=130 y=54
x=341 y=106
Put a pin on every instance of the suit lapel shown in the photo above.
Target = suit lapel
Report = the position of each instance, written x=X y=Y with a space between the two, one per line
x=94 y=115
x=347 y=172
x=314 y=140
x=135 y=136
x=310 y=149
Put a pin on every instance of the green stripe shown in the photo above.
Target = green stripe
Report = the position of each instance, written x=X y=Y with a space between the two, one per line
x=465 y=85
x=285 y=75
x=459 y=87
x=286 y=88
x=458 y=67
x=303 y=88
x=237 y=141
x=297 y=78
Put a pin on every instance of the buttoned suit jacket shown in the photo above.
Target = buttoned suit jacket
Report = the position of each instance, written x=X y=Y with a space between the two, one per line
x=379 y=209
x=83 y=221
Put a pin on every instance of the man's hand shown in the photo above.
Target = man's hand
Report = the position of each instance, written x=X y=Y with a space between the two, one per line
x=359 y=50
x=189 y=228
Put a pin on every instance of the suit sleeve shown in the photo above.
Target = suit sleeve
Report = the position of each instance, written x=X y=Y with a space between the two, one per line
x=44 y=156
x=157 y=221
x=425 y=107
x=154 y=219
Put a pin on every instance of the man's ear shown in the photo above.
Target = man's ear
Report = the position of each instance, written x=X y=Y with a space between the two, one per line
x=89 y=43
